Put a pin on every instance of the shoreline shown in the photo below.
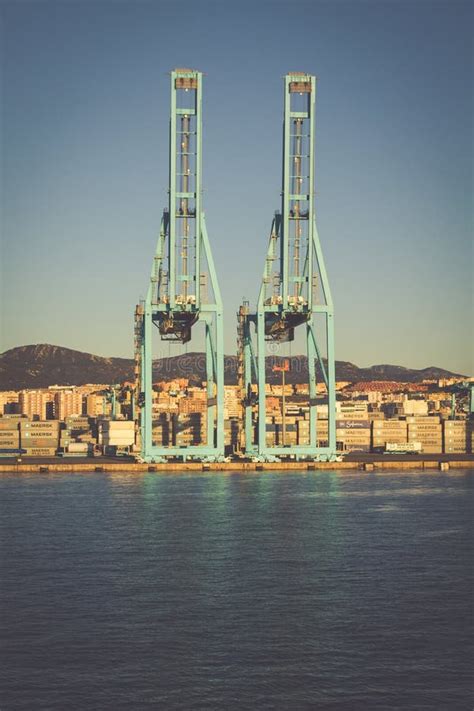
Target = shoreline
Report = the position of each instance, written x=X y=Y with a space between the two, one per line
x=174 y=467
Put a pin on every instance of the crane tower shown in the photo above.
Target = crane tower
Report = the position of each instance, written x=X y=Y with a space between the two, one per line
x=183 y=288
x=294 y=291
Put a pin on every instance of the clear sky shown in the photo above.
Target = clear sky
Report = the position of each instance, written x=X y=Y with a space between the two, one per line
x=85 y=109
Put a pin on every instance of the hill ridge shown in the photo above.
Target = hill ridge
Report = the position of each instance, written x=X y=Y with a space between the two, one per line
x=43 y=364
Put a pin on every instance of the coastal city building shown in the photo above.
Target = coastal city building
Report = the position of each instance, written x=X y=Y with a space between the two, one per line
x=373 y=416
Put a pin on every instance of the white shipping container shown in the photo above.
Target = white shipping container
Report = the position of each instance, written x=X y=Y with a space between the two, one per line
x=118 y=425
x=78 y=447
x=403 y=447
x=118 y=441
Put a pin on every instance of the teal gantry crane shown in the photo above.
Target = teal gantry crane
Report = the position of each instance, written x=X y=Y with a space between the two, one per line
x=294 y=289
x=178 y=295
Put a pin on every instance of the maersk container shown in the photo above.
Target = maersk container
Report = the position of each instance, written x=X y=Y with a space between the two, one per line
x=40 y=451
x=10 y=443
x=402 y=447
x=39 y=442
x=40 y=424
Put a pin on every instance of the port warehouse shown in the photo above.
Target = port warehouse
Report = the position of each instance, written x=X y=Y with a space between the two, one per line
x=88 y=423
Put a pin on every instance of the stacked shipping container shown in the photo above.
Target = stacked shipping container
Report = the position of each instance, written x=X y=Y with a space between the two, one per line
x=427 y=431
x=457 y=436
x=9 y=437
x=39 y=438
x=388 y=431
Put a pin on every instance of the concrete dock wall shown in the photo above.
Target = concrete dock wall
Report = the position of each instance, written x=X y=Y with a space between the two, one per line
x=175 y=467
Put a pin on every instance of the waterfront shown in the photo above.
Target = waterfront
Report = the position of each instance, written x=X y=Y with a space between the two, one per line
x=324 y=589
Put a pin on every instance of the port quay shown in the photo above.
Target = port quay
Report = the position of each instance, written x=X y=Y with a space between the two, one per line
x=379 y=426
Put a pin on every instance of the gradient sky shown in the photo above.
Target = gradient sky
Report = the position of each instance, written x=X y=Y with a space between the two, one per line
x=85 y=109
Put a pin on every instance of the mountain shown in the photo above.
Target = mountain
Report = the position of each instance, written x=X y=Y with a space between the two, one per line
x=42 y=365
x=39 y=366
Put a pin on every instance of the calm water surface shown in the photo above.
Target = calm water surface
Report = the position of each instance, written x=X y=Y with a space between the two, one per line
x=236 y=591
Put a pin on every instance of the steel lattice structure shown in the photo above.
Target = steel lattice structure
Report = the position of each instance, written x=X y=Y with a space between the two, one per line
x=295 y=288
x=182 y=274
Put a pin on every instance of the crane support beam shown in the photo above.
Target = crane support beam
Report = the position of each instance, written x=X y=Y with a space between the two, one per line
x=294 y=291
x=175 y=302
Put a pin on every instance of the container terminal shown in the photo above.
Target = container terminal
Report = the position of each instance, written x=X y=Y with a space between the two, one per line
x=255 y=423
x=418 y=423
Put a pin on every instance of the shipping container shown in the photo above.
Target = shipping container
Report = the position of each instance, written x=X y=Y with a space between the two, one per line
x=455 y=424
x=10 y=442
x=117 y=424
x=78 y=447
x=389 y=424
x=436 y=436
x=425 y=428
x=39 y=441
x=8 y=425
x=77 y=422
x=349 y=424
x=39 y=451
x=40 y=424
x=403 y=447
x=353 y=438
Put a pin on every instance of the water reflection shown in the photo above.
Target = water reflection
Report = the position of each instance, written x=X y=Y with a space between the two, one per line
x=236 y=590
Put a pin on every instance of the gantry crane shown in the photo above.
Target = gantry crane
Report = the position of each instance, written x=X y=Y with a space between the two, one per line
x=462 y=399
x=294 y=289
x=183 y=269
